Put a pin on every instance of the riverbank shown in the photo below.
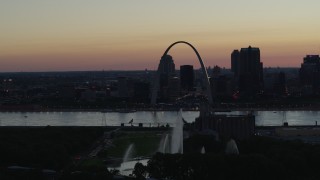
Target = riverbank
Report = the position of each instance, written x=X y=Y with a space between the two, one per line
x=132 y=110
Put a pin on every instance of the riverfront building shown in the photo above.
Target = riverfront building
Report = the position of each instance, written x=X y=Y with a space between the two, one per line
x=227 y=126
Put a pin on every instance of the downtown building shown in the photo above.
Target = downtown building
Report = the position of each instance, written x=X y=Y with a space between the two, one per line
x=222 y=84
x=186 y=77
x=166 y=70
x=248 y=71
x=169 y=83
x=310 y=74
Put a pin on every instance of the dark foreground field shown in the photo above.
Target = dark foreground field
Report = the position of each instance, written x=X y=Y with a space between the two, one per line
x=39 y=148
x=44 y=147
x=27 y=152
x=65 y=151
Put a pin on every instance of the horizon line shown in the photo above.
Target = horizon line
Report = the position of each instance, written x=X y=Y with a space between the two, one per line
x=117 y=70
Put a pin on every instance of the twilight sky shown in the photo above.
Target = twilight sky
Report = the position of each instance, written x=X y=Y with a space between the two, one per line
x=51 y=35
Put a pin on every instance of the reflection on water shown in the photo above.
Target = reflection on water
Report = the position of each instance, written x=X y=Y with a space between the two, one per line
x=91 y=118
x=148 y=118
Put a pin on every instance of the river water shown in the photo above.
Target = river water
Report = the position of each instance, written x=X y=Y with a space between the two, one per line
x=148 y=118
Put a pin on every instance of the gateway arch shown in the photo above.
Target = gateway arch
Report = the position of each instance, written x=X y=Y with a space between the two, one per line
x=203 y=68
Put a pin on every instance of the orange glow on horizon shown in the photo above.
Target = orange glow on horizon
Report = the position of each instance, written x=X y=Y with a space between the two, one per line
x=129 y=35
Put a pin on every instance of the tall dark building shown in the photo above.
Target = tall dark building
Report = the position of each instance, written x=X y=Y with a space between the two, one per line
x=235 y=57
x=310 y=72
x=167 y=69
x=248 y=70
x=166 y=72
x=186 y=77
x=167 y=65
x=173 y=89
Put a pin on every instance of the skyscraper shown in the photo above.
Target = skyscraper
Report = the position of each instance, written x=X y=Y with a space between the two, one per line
x=173 y=88
x=248 y=70
x=167 y=70
x=235 y=57
x=310 y=72
x=186 y=77
x=167 y=65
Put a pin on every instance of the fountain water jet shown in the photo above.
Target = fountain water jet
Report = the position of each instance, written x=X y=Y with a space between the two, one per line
x=203 y=150
x=177 y=135
x=232 y=147
x=128 y=153
x=164 y=144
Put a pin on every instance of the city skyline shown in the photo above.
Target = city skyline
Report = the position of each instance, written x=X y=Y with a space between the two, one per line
x=105 y=35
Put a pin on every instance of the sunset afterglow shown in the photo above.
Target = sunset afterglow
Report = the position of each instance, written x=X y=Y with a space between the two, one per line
x=43 y=35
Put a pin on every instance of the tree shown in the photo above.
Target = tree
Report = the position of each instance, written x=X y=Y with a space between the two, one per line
x=140 y=171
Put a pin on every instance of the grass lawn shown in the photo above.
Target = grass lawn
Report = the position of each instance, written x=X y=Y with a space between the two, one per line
x=145 y=144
